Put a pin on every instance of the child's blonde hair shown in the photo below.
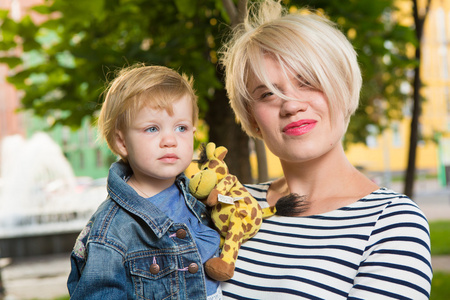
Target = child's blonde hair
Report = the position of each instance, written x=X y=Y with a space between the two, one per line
x=139 y=86
x=305 y=44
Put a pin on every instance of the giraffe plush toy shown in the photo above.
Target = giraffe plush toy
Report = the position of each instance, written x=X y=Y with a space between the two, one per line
x=235 y=213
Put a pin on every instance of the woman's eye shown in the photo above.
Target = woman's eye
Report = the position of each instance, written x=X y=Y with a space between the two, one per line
x=266 y=95
x=152 y=129
x=181 y=128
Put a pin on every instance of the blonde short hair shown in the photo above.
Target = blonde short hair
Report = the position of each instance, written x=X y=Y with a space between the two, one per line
x=307 y=44
x=139 y=86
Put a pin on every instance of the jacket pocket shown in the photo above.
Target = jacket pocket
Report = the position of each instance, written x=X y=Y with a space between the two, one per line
x=154 y=276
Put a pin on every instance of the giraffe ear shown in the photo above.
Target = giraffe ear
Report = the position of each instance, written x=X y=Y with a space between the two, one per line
x=221 y=152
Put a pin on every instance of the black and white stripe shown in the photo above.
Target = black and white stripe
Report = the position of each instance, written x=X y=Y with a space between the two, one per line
x=375 y=248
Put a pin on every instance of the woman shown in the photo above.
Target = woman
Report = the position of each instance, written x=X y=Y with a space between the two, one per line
x=294 y=82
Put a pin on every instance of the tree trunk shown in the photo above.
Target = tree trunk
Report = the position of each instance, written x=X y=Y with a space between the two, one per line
x=224 y=131
x=414 y=134
x=263 y=170
x=419 y=22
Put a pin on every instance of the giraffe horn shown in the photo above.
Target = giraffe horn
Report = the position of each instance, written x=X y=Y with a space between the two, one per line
x=210 y=147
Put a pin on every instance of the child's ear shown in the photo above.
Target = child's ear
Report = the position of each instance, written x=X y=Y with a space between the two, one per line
x=121 y=144
x=194 y=130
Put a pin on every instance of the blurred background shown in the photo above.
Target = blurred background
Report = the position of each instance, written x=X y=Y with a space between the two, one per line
x=57 y=56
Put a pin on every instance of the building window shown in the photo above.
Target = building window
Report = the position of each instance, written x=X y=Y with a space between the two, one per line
x=371 y=139
x=396 y=137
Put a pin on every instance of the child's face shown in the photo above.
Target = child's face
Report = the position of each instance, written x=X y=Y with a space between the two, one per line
x=159 y=146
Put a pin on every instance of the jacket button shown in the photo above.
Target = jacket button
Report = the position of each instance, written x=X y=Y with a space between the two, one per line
x=193 y=268
x=154 y=269
x=181 y=233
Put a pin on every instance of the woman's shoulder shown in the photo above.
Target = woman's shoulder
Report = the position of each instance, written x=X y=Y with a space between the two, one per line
x=393 y=199
x=397 y=207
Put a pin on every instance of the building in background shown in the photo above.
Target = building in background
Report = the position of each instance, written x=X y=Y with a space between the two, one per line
x=388 y=152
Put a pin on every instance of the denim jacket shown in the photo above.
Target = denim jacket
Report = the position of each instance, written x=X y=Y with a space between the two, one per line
x=131 y=250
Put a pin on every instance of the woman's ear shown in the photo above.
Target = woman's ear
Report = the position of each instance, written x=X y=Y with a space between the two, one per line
x=255 y=128
x=121 y=144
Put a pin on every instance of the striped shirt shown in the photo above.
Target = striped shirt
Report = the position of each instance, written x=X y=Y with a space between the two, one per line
x=375 y=248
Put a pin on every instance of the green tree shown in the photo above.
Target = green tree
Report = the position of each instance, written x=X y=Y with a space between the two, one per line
x=66 y=59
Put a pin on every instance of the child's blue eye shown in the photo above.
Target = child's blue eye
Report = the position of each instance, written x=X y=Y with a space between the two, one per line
x=152 y=129
x=181 y=128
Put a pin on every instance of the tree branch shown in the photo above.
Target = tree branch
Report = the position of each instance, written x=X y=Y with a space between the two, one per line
x=242 y=11
x=231 y=10
x=236 y=14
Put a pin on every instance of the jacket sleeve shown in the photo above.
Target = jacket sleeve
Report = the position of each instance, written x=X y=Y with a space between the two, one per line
x=397 y=260
x=101 y=275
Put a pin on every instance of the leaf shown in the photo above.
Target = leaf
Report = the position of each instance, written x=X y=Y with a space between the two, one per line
x=11 y=61
x=187 y=8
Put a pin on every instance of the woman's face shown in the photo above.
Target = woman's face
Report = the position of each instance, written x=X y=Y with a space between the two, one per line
x=294 y=130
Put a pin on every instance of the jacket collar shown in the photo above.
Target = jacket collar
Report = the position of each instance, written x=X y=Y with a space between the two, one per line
x=126 y=197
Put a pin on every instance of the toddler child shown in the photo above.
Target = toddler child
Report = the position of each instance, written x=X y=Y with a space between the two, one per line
x=150 y=238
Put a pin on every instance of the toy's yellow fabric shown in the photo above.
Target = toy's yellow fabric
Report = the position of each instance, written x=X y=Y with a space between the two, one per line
x=236 y=222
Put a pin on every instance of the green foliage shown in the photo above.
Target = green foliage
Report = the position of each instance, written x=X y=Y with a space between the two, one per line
x=381 y=44
x=440 y=286
x=82 y=42
x=68 y=58
x=440 y=237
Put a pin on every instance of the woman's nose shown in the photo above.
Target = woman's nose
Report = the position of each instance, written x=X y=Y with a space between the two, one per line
x=292 y=107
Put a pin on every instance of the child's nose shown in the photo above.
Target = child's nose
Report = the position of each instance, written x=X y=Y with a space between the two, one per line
x=168 y=140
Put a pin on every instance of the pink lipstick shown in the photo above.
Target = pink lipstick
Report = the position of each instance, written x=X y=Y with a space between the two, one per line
x=300 y=127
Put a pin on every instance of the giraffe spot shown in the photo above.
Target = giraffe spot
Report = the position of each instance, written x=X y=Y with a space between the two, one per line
x=248 y=200
x=235 y=254
x=231 y=224
x=213 y=164
x=224 y=228
x=221 y=170
x=226 y=248
x=238 y=237
x=237 y=192
x=258 y=221
x=249 y=227
x=223 y=218
x=243 y=213
x=254 y=213
x=218 y=207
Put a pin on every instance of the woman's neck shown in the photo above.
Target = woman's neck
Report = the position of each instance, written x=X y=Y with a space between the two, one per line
x=328 y=182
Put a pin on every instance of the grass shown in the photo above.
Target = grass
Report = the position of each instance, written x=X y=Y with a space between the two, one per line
x=440 y=245
x=440 y=237
x=440 y=286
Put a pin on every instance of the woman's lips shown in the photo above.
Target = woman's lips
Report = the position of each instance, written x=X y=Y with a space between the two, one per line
x=299 y=127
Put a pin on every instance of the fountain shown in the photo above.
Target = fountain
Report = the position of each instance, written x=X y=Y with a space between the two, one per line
x=43 y=206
